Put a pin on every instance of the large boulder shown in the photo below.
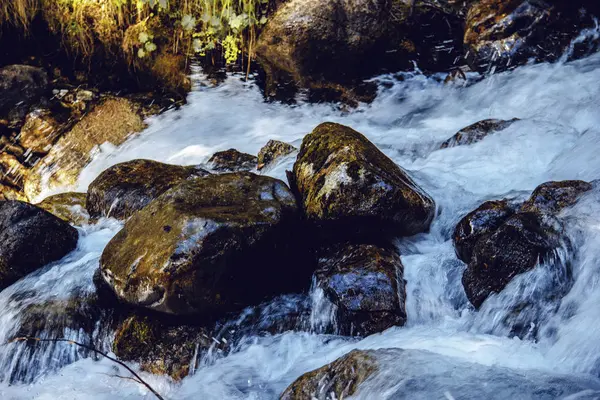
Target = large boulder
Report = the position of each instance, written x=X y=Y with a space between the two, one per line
x=232 y=161
x=507 y=245
x=128 y=187
x=69 y=207
x=347 y=40
x=29 y=239
x=207 y=245
x=111 y=121
x=477 y=132
x=21 y=85
x=337 y=380
x=346 y=184
x=365 y=284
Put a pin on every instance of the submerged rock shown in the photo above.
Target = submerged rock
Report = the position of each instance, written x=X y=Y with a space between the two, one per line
x=337 y=380
x=477 y=132
x=159 y=348
x=232 y=161
x=13 y=172
x=21 y=85
x=29 y=239
x=273 y=151
x=346 y=184
x=365 y=284
x=207 y=245
x=111 y=121
x=39 y=132
x=128 y=187
x=479 y=224
x=69 y=207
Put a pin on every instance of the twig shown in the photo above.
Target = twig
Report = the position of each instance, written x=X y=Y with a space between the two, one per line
x=85 y=346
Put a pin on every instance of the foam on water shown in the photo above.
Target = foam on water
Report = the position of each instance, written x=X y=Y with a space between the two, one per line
x=557 y=138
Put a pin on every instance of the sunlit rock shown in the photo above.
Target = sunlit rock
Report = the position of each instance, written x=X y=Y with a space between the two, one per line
x=39 y=132
x=365 y=283
x=29 y=239
x=273 y=151
x=348 y=186
x=208 y=245
x=69 y=207
x=232 y=161
x=128 y=187
x=477 y=132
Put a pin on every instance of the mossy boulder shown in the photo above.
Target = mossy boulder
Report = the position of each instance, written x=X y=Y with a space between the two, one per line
x=270 y=153
x=365 y=283
x=348 y=186
x=521 y=242
x=479 y=224
x=30 y=238
x=125 y=188
x=207 y=245
x=232 y=161
x=69 y=207
x=477 y=132
x=338 y=380
x=21 y=85
x=159 y=347
x=111 y=121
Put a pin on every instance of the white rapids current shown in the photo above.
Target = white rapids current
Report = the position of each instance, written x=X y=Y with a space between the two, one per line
x=451 y=352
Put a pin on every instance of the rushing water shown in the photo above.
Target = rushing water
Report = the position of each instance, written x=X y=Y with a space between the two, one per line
x=450 y=350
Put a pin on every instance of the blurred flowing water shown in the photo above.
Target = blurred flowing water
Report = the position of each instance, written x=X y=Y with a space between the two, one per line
x=449 y=351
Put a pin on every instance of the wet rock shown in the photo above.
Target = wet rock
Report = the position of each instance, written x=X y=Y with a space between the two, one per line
x=553 y=197
x=21 y=85
x=128 y=187
x=111 y=121
x=349 y=187
x=337 y=380
x=39 y=132
x=29 y=239
x=365 y=284
x=273 y=151
x=10 y=193
x=479 y=224
x=502 y=34
x=323 y=41
x=13 y=172
x=159 y=348
x=232 y=161
x=477 y=132
x=207 y=245
x=69 y=207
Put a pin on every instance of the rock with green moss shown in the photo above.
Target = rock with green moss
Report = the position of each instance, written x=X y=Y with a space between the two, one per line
x=365 y=283
x=125 y=188
x=207 y=245
x=30 y=238
x=159 y=347
x=349 y=186
x=338 y=380
x=477 y=132
x=273 y=151
x=69 y=207
x=232 y=161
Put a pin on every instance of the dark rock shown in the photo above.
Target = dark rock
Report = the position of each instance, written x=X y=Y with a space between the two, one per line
x=160 y=348
x=477 y=132
x=21 y=85
x=232 y=161
x=272 y=151
x=337 y=380
x=69 y=207
x=365 y=283
x=29 y=239
x=207 y=245
x=125 y=188
x=553 y=197
x=479 y=224
x=347 y=185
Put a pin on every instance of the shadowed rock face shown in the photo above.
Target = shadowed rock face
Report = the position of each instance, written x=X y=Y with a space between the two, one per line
x=338 y=380
x=504 y=242
x=21 y=85
x=347 y=185
x=232 y=161
x=30 y=238
x=366 y=285
x=207 y=245
x=128 y=187
x=477 y=132
x=69 y=207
